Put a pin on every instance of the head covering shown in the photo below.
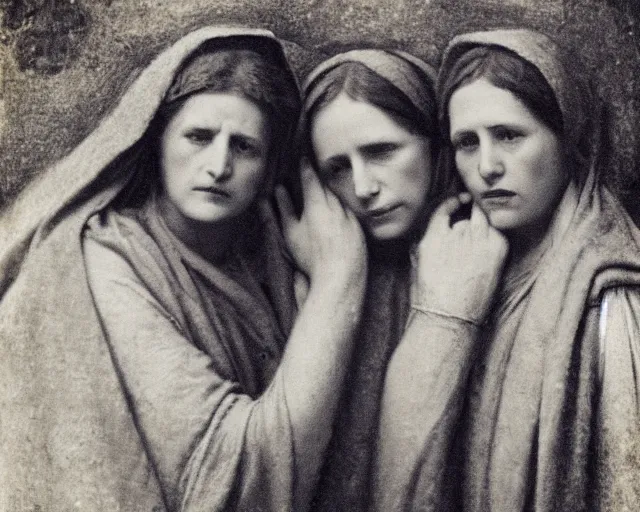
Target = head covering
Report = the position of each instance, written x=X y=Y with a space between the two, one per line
x=412 y=76
x=531 y=423
x=36 y=208
x=195 y=77
x=68 y=438
x=396 y=66
x=581 y=109
x=345 y=479
x=204 y=69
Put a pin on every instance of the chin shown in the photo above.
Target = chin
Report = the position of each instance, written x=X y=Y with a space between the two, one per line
x=206 y=216
x=503 y=221
x=388 y=233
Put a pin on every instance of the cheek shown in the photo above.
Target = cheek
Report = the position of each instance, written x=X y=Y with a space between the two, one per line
x=465 y=167
x=546 y=176
x=172 y=155
x=343 y=188
x=413 y=174
x=254 y=177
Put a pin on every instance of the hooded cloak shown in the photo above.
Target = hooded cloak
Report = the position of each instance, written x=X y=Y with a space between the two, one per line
x=346 y=476
x=552 y=420
x=81 y=423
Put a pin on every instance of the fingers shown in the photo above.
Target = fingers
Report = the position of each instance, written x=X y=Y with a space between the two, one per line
x=465 y=197
x=478 y=217
x=311 y=186
x=441 y=217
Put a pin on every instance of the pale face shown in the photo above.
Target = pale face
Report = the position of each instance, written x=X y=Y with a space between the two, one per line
x=378 y=169
x=510 y=161
x=213 y=160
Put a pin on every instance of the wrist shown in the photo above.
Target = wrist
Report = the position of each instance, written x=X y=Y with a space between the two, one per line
x=340 y=278
x=469 y=320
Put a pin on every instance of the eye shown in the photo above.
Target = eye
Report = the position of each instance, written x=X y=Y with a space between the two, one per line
x=506 y=134
x=381 y=151
x=334 y=170
x=465 y=142
x=245 y=147
x=199 y=136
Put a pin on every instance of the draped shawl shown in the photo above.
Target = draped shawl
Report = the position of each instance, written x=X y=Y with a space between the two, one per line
x=68 y=439
x=535 y=438
x=346 y=475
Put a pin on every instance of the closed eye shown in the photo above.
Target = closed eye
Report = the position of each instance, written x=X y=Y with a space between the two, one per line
x=335 y=167
x=380 y=150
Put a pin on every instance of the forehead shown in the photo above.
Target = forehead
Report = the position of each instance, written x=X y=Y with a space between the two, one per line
x=482 y=104
x=345 y=124
x=211 y=110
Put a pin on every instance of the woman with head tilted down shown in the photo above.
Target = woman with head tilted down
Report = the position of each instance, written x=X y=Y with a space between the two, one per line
x=156 y=364
x=372 y=133
x=551 y=418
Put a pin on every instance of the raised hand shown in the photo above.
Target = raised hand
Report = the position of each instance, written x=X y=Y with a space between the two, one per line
x=327 y=240
x=459 y=265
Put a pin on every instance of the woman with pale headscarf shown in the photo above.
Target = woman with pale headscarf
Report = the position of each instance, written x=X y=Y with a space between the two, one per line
x=153 y=357
x=551 y=419
x=372 y=131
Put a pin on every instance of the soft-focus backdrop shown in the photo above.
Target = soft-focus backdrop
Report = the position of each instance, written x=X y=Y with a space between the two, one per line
x=64 y=63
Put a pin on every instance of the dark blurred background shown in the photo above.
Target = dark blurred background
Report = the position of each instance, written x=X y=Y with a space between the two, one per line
x=64 y=63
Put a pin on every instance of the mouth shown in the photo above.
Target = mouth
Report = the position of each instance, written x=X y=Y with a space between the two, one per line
x=214 y=191
x=381 y=212
x=497 y=193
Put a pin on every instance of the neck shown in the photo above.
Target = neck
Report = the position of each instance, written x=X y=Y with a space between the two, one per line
x=525 y=251
x=212 y=241
x=528 y=245
x=392 y=252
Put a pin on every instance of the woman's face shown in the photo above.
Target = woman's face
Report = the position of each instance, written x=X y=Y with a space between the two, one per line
x=377 y=168
x=510 y=161
x=213 y=158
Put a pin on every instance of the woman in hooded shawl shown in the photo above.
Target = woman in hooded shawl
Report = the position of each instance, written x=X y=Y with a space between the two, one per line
x=551 y=419
x=146 y=311
x=372 y=132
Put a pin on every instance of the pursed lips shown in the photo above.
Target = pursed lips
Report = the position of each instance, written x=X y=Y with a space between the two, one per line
x=216 y=191
x=497 y=193
x=379 y=212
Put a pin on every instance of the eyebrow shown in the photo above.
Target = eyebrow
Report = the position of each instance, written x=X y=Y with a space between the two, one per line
x=248 y=138
x=233 y=135
x=460 y=133
x=366 y=148
x=335 y=160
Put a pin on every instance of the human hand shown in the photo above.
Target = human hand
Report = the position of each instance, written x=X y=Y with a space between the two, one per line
x=459 y=265
x=327 y=240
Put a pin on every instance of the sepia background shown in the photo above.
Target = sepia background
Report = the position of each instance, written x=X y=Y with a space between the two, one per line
x=64 y=63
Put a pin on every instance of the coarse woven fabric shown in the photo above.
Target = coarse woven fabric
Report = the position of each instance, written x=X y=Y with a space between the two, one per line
x=535 y=437
x=346 y=477
x=68 y=439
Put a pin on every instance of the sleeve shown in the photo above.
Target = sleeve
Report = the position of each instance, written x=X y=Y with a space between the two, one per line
x=213 y=447
x=422 y=399
x=618 y=419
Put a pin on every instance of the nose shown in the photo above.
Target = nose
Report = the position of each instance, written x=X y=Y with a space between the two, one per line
x=490 y=166
x=219 y=159
x=364 y=183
